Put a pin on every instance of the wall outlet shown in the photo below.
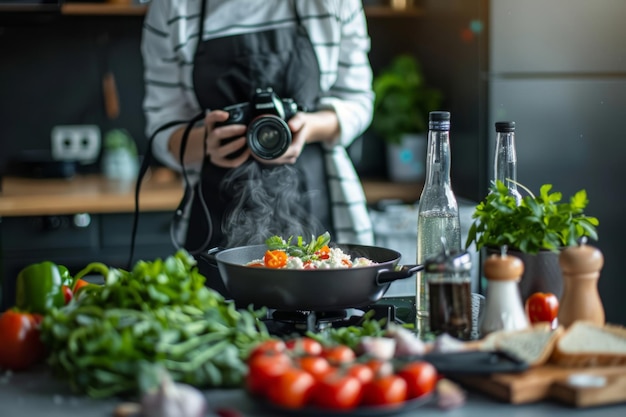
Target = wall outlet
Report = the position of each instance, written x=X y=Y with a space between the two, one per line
x=79 y=143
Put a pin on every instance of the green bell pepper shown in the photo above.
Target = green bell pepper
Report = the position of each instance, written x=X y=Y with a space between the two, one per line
x=39 y=287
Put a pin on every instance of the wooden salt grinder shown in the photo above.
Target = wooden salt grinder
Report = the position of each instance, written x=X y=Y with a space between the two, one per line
x=581 y=267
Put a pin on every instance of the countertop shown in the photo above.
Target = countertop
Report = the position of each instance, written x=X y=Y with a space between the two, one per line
x=161 y=190
x=35 y=393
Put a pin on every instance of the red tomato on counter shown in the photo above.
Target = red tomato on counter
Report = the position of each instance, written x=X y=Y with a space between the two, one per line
x=268 y=347
x=20 y=346
x=420 y=377
x=338 y=354
x=305 y=346
x=386 y=390
x=264 y=370
x=292 y=389
x=338 y=391
x=541 y=307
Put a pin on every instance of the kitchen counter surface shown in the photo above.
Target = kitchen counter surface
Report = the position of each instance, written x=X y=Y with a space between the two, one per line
x=161 y=190
x=35 y=393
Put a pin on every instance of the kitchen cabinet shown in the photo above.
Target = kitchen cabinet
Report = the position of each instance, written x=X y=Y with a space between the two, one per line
x=85 y=219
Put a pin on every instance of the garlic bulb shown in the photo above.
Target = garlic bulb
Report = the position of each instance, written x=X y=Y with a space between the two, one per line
x=171 y=399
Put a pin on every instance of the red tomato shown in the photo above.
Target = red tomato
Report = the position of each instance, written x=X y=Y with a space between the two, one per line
x=305 y=346
x=542 y=306
x=264 y=370
x=361 y=371
x=270 y=346
x=380 y=367
x=20 y=346
x=315 y=365
x=338 y=354
x=292 y=389
x=338 y=391
x=67 y=293
x=420 y=377
x=386 y=390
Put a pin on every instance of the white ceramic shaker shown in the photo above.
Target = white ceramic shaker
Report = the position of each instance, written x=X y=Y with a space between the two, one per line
x=503 y=308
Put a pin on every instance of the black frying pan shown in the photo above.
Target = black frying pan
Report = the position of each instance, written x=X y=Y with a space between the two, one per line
x=309 y=289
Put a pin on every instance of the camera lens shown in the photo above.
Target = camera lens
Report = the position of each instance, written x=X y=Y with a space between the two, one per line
x=268 y=136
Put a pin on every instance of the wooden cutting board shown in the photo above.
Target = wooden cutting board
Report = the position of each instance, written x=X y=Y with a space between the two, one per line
x=552 y=382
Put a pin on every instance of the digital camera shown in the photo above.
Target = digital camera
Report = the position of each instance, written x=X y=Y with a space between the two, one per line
x=268 y=135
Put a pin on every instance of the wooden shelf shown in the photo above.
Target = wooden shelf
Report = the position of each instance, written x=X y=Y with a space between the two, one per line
x=386 y=11
x=110 y=9
x=381 y=189
x=114 y=9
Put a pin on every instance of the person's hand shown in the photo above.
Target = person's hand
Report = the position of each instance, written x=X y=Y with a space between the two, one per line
x=216 y=150
x=299 y=133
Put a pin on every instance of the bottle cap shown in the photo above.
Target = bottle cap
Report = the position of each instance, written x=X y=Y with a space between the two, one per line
x=505 y=127
x=439 y=120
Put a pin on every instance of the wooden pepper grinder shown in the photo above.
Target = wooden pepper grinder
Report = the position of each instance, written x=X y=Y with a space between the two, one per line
x=581 y=267
x=504 y=309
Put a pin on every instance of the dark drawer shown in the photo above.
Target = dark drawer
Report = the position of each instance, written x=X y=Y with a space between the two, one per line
x=153 y=229
x=45 y=232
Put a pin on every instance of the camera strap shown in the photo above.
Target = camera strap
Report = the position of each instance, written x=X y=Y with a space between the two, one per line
x=188 y=192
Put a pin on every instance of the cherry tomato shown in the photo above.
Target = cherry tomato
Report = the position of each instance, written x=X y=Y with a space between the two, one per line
x=338 y=354
x=304 y=346
x=420 y=377
x=361 y=371
x=386 y=390
x=315 y=365
x=20 y=346
x=338 y=391
x=264 y=370
x=67 y=293
x=292 y=389
x=275 y=259
x=270 y=346
x=380 y=367
x=541 y=307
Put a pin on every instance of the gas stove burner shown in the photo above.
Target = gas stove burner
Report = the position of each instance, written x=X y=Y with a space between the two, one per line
x=285 y=323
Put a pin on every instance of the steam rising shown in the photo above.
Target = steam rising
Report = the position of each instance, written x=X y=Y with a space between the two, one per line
x=266 y=201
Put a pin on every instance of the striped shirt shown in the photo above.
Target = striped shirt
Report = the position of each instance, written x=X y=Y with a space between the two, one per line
x=338 y=32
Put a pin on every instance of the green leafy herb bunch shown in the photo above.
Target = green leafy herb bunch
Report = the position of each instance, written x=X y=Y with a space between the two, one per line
x=538 y=223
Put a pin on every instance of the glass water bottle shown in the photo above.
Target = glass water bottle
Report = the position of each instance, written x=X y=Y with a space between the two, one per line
x=438 y=223
x=505 y=161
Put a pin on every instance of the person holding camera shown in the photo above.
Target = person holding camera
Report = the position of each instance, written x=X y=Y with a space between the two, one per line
x=279 y=88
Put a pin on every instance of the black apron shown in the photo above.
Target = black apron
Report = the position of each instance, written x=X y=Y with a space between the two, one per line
x=250 y=203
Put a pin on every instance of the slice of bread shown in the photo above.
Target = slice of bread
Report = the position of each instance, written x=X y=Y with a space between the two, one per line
x=586 y=344
x=533 y=345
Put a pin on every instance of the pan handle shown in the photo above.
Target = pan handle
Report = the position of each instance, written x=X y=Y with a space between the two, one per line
x=400 y=272
x=209 y=256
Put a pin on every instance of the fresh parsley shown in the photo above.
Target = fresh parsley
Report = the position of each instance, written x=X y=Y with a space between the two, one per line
x=540 y=222
x=299 y=248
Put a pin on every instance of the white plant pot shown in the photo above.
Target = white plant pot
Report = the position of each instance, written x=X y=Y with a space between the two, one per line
x=407 y=161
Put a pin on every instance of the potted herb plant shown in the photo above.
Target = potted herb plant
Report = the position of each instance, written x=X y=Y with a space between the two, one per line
x=403 y=101
x=535 y=231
